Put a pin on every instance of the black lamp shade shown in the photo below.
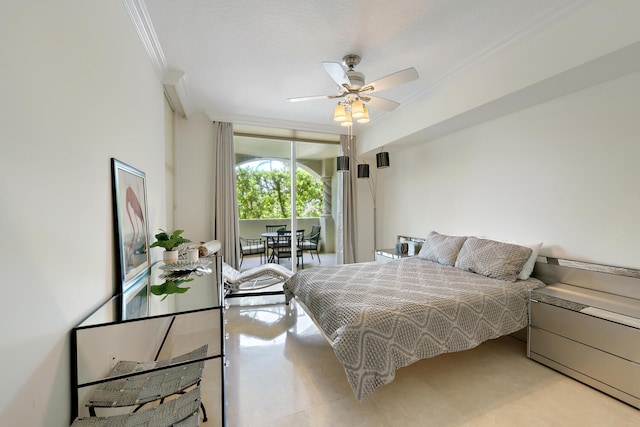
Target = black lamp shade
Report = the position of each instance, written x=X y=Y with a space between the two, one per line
x=382 y=159
x=342 y=163
x=363 y=170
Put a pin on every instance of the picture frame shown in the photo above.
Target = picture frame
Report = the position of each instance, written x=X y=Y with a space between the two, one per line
x=135 y=300
x=131 y=228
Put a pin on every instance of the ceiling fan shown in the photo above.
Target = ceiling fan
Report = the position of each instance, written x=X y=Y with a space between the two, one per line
x=352 y=87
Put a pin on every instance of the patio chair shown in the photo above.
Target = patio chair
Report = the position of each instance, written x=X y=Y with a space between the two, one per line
x=252 y=247
x=271 y=239
x=282 y=246
x=310 y=241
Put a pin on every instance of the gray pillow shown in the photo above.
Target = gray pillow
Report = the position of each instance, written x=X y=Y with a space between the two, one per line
x=499 y=260
x=441 y=248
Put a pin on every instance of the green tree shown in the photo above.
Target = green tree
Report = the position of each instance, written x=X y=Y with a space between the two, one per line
x=267 y=193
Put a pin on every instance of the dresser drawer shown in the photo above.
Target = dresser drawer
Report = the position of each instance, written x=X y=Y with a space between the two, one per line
x=599 y=365
x=617 y=339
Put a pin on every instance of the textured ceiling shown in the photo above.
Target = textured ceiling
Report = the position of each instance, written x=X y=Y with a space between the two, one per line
x=243 y=58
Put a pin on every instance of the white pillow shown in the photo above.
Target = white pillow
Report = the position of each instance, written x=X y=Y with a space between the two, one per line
x=527 y=268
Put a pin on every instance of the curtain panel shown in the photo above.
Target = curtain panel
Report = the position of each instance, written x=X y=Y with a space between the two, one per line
x=346 y=223
x=225 y=200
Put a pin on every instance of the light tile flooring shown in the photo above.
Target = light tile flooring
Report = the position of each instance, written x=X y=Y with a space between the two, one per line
x=284 y=373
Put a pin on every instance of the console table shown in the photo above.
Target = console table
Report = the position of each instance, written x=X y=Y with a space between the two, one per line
x=140 y=326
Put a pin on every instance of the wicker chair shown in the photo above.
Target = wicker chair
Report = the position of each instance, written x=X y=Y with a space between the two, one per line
x=180 y=412
x=150 y=384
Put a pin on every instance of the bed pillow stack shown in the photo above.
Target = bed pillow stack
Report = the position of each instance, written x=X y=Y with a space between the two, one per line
x=441 y=248
x=503 y=261
x=491 y=258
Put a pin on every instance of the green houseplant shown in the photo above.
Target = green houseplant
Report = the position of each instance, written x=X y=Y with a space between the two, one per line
x=170 y=243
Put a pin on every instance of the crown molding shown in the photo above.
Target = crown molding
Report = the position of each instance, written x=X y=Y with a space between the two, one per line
x=144 y=27
x=173 y=81
x=175 y=88
x=277 y=123
x=563 y=8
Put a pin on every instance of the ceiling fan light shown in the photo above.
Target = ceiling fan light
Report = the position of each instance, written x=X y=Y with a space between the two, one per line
x=357 y=109
x=348 y=121
x=364 y=118
x=339 y=113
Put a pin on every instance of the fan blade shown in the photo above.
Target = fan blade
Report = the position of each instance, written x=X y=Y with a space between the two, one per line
x=310 y=98
x=381 y=103
x=392 y=80
x=337 y=73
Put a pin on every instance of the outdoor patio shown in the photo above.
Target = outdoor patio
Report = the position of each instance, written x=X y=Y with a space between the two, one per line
x=251 y=261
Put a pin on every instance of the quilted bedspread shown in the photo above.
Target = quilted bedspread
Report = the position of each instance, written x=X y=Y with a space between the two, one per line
x=382 y=316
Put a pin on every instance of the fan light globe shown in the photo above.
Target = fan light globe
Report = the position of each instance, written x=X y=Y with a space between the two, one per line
x=348 y=121
x=339 y=113
x=357 y=109
x=364 y=118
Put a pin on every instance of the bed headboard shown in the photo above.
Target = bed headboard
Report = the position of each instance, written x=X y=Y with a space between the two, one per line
x=604 y=278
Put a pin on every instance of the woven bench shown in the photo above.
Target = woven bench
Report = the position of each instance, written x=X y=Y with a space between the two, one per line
x=180 y=412
x=148 y=386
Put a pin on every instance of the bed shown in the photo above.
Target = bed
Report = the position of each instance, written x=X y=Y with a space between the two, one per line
x=379 y=317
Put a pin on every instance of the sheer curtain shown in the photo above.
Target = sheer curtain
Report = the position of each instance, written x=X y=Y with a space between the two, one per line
x=225 y=202
x=346 y=223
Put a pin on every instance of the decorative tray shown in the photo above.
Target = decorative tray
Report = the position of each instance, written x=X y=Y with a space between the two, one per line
x=184 y=265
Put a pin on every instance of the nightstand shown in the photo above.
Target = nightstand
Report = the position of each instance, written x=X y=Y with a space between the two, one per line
x=385 y=255
x=589 y=335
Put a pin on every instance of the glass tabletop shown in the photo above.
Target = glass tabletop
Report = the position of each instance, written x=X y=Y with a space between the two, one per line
x=163 y=292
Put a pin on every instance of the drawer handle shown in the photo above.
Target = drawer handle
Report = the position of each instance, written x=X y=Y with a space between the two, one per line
x=227 y=336
x=227 y=363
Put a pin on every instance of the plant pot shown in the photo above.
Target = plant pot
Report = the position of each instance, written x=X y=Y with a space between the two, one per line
x=170 y=257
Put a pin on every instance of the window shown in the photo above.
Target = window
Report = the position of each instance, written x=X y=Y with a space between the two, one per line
x=264 y=190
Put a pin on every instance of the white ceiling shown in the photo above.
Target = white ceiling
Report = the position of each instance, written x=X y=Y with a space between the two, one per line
x=243 y=58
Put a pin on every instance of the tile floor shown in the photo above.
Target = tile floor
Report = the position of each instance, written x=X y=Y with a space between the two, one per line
x=284 y=373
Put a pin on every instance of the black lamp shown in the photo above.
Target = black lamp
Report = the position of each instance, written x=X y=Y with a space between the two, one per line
x=363 y=170
x=382 y=159
x=342 y=163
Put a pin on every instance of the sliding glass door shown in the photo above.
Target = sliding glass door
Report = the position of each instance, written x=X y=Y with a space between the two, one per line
x=284 y=181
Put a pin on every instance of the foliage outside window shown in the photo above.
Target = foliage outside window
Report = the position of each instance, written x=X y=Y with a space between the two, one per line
x=267 y=193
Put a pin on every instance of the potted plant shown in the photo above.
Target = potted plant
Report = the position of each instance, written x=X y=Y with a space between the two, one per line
x=170 y=244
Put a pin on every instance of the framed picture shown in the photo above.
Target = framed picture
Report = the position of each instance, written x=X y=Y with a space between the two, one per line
x=136 y=300
x=130 y=222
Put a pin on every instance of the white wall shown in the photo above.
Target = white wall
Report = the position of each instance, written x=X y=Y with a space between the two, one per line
x=564 y=172
x=194 y=160
x=76 y=89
